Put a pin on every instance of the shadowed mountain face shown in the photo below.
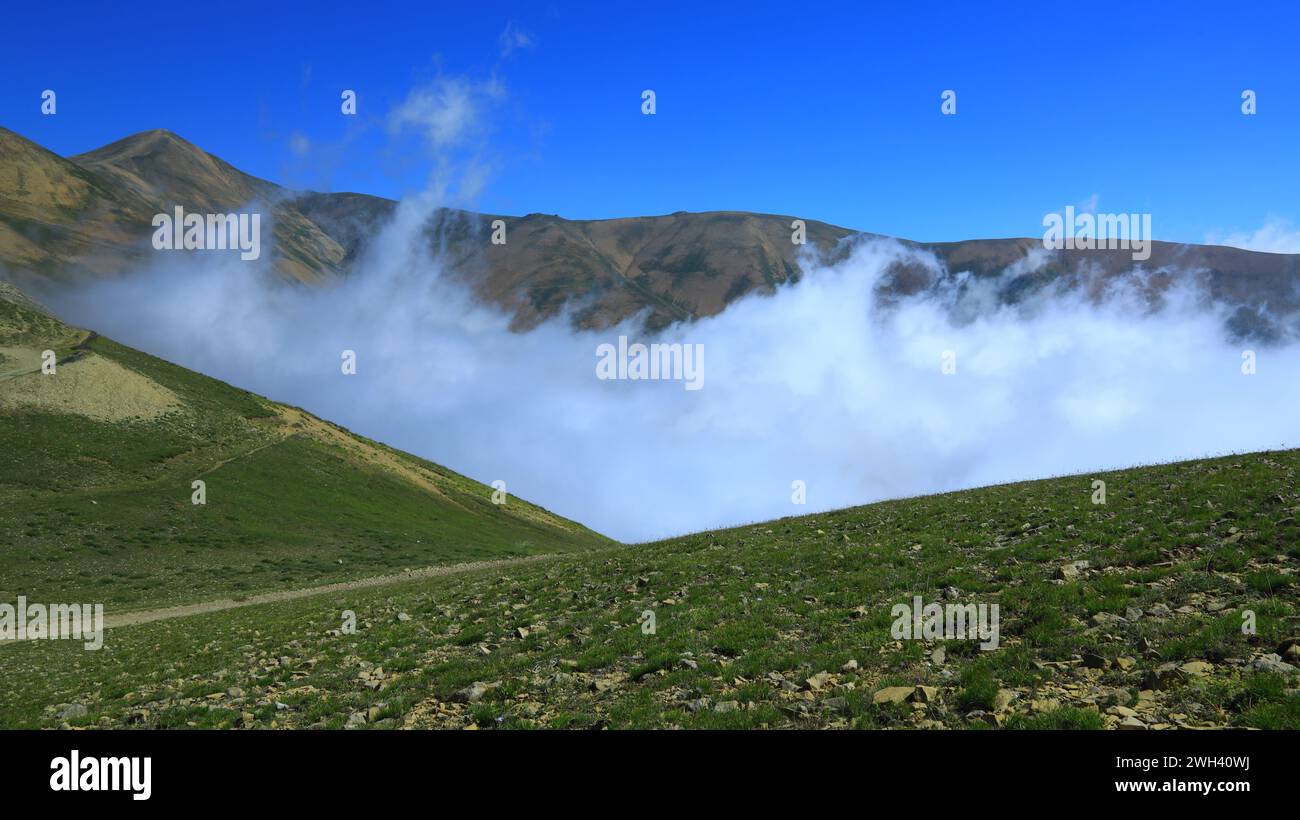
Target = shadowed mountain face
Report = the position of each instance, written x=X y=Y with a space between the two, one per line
x=90 y=215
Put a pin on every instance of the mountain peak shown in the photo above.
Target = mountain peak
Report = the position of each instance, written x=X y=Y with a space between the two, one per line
x=144 y=141
x=164 y=167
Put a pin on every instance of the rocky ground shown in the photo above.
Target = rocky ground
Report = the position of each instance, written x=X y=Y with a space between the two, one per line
x=1173 y=605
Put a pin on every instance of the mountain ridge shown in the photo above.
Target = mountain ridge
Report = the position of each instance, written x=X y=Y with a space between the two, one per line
x=90 y=216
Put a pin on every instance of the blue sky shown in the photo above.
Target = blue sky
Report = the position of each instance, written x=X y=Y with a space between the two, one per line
x=824 y=111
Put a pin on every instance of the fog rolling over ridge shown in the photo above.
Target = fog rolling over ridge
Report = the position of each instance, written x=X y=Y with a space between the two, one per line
x=829 y=381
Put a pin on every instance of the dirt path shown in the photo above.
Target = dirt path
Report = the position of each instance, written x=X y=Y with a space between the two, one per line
x=145 y=616
x=259 y=448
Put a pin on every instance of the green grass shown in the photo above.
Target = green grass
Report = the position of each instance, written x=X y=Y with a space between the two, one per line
x=745 y=616
x=101 y=512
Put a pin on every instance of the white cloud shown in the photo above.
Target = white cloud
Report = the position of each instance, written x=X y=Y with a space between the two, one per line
x=514 y=38
x=821 y=382
x=446 y=113
x=1276 y=236
x=299 y=144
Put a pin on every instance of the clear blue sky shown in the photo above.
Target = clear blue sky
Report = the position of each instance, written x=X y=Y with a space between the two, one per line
x=824 y=111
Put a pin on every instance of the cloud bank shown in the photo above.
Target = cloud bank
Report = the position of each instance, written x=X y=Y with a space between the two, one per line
x=824 y=382
x=1276 y=236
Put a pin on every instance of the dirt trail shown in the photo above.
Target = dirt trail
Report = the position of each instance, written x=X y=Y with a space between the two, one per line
x=259 y=448
x=145 y=616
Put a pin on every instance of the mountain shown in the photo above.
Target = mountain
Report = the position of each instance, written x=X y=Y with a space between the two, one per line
x=1127 y=615
x=56 y=216
x=90 y=215
x=163 y=168
x=97 y=462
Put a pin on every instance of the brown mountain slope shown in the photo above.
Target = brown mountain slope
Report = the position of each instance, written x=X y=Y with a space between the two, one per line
x=680 y=266
x=166 y=170
x=90 y=214
x=158 y=165
x=56 y=216
x=1261 y=290
x=677 y=267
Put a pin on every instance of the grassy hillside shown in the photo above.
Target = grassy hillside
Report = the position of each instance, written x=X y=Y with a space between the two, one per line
x=97 y=460
x=781 y=624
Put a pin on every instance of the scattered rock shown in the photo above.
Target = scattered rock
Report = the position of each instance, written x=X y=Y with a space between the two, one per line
x=472 y=693
x=892 y=694
x=980 y=716
x=1002 y=700
x=837 y=705
x=1272 y=664
x=1289 y=651
x=851 y=666
x=1162 y=677
x=402 y=616
x=1105 y=618
x=74 y=711
x=1072 y=571
x=1095 y=660
x=1196 y=669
